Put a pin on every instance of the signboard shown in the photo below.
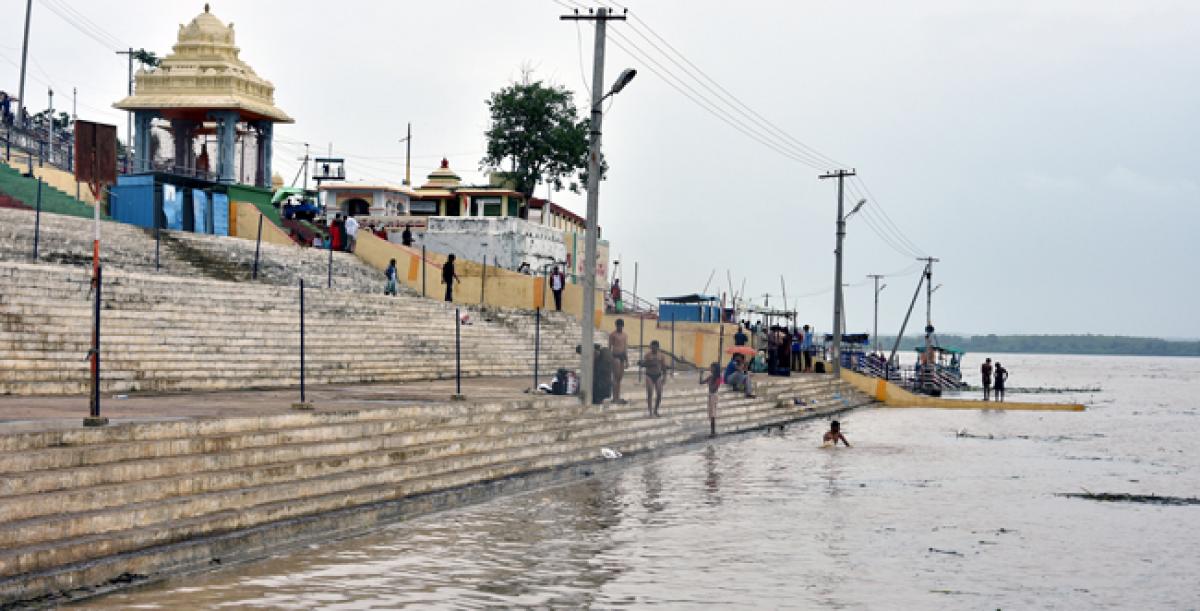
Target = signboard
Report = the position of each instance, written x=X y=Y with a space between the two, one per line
x=95 y=153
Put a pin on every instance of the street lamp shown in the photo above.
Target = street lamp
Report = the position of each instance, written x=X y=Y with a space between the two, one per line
x=838 y=299
x=587 y=354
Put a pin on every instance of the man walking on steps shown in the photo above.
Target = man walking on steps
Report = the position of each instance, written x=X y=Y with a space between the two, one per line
x=985 y=370
x=448 y=277
x=351 y=233
x=618 y=343
x=557 y=281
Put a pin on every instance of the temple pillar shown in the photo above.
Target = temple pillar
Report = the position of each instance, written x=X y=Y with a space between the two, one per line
x=142 y=123
x=226 y=144
x=266 y=133
x=181 y=133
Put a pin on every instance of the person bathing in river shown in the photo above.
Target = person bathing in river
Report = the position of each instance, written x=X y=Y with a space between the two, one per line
x=1000 y=375
x=713 y=379
x=834 y=435
x=655 y=363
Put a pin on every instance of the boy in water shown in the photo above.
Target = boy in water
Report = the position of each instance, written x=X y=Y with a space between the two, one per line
x=834 y=434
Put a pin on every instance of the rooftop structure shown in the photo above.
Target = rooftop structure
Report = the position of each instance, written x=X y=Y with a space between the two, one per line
x=204 y=88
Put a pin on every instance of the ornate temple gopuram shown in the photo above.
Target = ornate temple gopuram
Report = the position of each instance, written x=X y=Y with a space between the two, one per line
x=202 y=96
x=202 y=145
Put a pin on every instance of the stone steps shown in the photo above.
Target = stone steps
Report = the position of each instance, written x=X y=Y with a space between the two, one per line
x=270 y=490
x=162 y=333
x=69 y=499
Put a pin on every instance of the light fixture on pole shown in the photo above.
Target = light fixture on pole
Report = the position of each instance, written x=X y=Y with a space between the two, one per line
x=587 y=361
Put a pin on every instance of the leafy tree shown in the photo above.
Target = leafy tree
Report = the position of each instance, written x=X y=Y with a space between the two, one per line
x=536 y=133
x=147 y=58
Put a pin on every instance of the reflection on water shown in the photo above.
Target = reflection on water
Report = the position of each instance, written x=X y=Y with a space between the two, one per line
x=915 y=515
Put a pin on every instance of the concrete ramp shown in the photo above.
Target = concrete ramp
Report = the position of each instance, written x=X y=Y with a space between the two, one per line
x=891 y=395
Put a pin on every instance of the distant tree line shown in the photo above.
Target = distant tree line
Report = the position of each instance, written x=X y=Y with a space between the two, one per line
x=1057 y=344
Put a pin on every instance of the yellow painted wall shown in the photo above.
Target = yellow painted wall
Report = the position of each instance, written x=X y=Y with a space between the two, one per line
x=244 y=224
x=500 y=288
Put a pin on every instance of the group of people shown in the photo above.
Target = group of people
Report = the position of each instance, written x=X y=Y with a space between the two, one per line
x=654 y=365
x=995 y=377
x=783 y=351
x=343 y=233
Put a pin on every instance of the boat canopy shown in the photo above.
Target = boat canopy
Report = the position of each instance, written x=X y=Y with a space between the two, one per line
x=693 y=298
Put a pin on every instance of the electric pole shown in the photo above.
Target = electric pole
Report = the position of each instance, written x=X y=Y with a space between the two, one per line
x=407 y=140
x=841 y=176
x=24 y=59
x=586 y=376
x=926 y=372
x=50 y=126
x=876 y=278
x=129 y=114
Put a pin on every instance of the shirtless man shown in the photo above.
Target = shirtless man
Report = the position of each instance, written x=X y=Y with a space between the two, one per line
x=618 y=342
x=656 y=366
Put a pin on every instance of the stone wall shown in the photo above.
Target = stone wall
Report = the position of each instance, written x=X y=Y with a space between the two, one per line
x=506 y=242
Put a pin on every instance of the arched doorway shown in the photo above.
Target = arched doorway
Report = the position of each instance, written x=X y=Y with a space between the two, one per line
x=357 y=207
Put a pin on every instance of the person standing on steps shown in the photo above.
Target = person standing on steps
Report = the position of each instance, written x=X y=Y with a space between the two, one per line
x=390 y=287
x=986 y=371
x=1000 y=379
x=713 y=379
x=406 y=237
x=351 y=233
x=337 y=232
x=740 y=338
x=618 y=343
x=656 y=376
x=806 y=346
x=557 y=281
x=448 y=277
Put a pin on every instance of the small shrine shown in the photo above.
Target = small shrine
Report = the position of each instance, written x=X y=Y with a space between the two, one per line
x=201 y=96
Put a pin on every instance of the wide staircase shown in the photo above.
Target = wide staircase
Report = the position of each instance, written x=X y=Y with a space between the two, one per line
x=168 y=333
x=86 y=510
x=67 y=239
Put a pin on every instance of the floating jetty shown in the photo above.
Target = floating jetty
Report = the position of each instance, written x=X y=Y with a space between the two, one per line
x=891 y=395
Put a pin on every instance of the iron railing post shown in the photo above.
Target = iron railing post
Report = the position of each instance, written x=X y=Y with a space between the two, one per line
x=37 y=221
x=537 y=344
x=257 y=246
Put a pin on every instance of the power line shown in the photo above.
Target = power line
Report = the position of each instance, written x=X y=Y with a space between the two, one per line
x=83 y=24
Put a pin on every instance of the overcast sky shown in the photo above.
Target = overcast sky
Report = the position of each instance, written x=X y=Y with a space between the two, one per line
x=1044 y=150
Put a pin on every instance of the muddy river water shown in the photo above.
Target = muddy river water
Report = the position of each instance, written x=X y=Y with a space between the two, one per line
x=929 y=509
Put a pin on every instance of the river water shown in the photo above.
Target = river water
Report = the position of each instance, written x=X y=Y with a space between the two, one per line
x=929 y=509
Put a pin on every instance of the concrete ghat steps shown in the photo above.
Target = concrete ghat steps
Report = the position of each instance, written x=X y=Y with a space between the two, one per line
x=342 y=448
x=254 y=487
x=168 y=334
x=490 y=450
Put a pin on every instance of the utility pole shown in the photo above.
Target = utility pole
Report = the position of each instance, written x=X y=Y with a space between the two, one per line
x=50 y=127
x=841 y=176
x=306 y=166
x=129 y=114
x=24 y=59
x=929 y=261
x=74 y=102
x=407 y=140
x=875 y=333
x=601 y=16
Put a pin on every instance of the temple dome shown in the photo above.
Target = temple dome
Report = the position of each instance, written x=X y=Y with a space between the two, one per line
x=442 y=178
x=204 y=72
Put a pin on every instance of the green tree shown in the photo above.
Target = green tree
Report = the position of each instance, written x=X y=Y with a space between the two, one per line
x=536 y=136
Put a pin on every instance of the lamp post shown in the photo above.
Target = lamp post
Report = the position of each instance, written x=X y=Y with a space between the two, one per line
x=838 y=297
x=587 y=363
x=878 y=289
